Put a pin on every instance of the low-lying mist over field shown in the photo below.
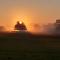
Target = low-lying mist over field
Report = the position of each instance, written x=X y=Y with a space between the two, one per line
x=35 y=28
x=49 y=28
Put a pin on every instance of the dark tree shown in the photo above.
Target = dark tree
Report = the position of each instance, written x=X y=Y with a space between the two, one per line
x=57 y=26
x=2 y=28
x=19 y=26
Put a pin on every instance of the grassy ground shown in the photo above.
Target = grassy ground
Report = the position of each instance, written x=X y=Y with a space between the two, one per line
x=25 y=46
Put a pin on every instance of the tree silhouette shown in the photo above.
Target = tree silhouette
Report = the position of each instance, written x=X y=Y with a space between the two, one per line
x=2 y=28
x=57 y=26
x=20 y=26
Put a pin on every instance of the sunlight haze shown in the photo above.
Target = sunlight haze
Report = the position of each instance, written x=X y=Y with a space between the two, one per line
x=29 y=11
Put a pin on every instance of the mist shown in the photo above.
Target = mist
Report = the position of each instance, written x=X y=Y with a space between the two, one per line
x=35 y=28
x=48 y=28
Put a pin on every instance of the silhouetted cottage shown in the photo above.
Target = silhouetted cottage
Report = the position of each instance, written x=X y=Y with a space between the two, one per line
x=20 y=26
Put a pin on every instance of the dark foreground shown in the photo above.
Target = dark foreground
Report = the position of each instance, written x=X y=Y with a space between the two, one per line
x=25 y=46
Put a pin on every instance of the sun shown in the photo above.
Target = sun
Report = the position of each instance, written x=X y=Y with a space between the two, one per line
x=21 y=22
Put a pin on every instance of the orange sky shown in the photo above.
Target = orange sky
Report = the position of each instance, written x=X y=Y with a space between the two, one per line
x=29 y=11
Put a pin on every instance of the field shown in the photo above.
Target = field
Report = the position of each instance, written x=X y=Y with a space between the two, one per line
x=27 y=46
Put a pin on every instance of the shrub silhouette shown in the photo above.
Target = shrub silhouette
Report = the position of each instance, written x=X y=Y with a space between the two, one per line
x=19 y=26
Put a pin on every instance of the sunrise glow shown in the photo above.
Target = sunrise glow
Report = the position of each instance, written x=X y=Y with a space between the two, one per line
x=30 y=12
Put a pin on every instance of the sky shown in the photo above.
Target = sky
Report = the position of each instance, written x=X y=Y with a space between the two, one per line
x=29 y=11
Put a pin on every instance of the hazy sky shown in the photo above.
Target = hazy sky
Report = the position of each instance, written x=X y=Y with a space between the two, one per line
x=30 y=11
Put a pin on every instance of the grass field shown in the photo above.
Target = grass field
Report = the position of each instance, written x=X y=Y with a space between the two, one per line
x=26 y=46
